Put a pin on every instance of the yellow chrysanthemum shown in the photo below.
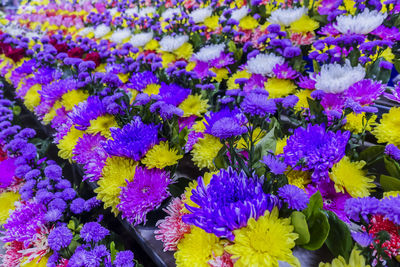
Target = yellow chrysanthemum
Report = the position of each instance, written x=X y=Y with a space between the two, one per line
x=303 y=95
x=68 y=143
x=197 y=248
x=49 y=116
x=388 y=129
x=391 y=194
x=278 y=88
x=32 y=97
x=194 y=105
x=357 y=122
x=304 y=24
x=167 y=58
x=7 y=204
x=199 y=126
x=185 y=51
x=356 y=260
x=102 y=125
x=351 y=177
x=161 y=156
x=257 y=135
x=190 y=66
x=124 y=77
x=248 y=23
x=388 y=55
x=298 y=178
x=280 y=144
x=37 y=262
x=152 y=45
x=193 y=185
x=152 y=89
x=212 y=22
x=116 y=172
x=350 y=6
x=240 y=74
x=205 y=150
x=221 y=74
x=72 y=98
x=264 y=242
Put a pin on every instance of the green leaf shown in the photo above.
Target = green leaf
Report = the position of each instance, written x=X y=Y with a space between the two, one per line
x=316 y=108
x=393 y=167
x=315 y=204
x=220 y=160
x=318 y=226
x=16 y=110
x=315 y=66
x=300 y=227
x=71 y=225
x=389 y=183
x=267 y=143
x=339 y=240
x=396 y=63
x=354 y=55
x=113 y=251
x=371 y=153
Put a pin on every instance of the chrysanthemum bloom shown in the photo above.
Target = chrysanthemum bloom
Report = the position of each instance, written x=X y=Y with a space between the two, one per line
x=93 y=232
x=72 y=98
x=315 y=149
x=278 y=88
x=194 y=105
x=220 y=202
x=257 y=103
x=274 y=164
x=102 y=125
x=295 y=197
x=356 y=259
x=264 y=242
x=124 y=259
x=60 y=237
x=365 y=92
x=363 y=23
x=351 y=177
x=356 y=123
x=146 y=192
x=68 y=143
x=161 y=156
x=378 y=224
x=186 y=199
x=133 y=140
x=32 y=97
x=205 y=150
x=197 y=248
x=225 y=123
x=7 y=204
x=115 y=175
x=89 y=147
x=388 y=129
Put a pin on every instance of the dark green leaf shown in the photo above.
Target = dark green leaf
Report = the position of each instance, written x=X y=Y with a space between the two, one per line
x=318 y=226
x=389 y=183
x=393 y=167
x=300 y=227
x=371 y=153
x=314 y=205
x=339 y=240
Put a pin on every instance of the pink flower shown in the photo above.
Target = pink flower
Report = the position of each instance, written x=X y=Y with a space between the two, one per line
x=224 y=260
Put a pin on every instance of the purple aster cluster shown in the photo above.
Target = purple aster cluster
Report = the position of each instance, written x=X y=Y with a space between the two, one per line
x=85 y=256
x=93 y=232
x=256 y=103
x=140 y=80
x=314 y=148
x=60 y=237
x=392 y=151
x=227 y=203
x=124 y=259
x=294 y=197
x=275 y=165
x=357 y=208
x=225 y=123
x=133 y=140
x=147 y=191
x=86 y=111
x=173 y=94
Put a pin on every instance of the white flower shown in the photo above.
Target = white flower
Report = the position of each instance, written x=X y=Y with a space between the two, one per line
x=363 y=23
x=113 y=11
x=170 y=43
x=147 y=10
x=85 y=31
x=264 y=63
x=131 y=11
x=170 y=12
x=120 y=35
x=209 y=52
x=238 y=14
x=285 y=17
x=335 y=78
x=141 y=39
x=199 y=15
x=101 y=31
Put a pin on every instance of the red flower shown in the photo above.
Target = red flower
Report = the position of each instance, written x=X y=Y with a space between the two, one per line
x=15 y=54
x=76 y=52
x=378 y=224
x=95 y=57
x=4 y=48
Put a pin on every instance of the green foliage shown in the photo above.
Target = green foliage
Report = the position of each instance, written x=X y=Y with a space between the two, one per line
x=339 y=240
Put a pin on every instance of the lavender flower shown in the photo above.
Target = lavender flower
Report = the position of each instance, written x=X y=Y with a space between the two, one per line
x=295 y=197
x=356 y=207
x=77 y=205
x=392 y=151
x=93 y=232
x=53 y=172
x=257 y=103
x=275 y=165
x=124 y=259
x=225 y=123
x=140 y=80
x=390 y=207
x=60 y=237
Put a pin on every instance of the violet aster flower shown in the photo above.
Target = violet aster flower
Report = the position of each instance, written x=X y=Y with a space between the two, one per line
x=315 y=149
x=365 y=92
x=274 y=164
x=124 y=259
x=295 y=197
x=284 y=71
x=392 y=151
x=394 y=95
x=357 y=208
x=93 y=232
x=140 y=80
x=91 y=203
x=53 y=215
x=173 y=94
x=53 y=172
x=60 y=237
x=257 y=103
x=89 y=148
x=225 y=123
x=227 y=203
x=84 y=258
x=77 y=205
x=362 y=238
x=146 y=192
x=290 y=101
x=86 y=111
x=390 y=207
x=166 y=111
x=133 y=140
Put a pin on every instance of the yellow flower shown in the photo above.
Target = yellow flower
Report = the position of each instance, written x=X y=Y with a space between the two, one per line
x=36 y=262
x=185 y=51
x=356 y=260
x=388 y=55
x=303 y=95
x=205 y=150
x=388 y=129
x=212 y=22
x=304 y=24
x=32 y=97
x=152 y=89
x=7 y=204
x=194 y=105
x=72 y=98
x=349 y=6
x=49 y=116
x=248 y=23
x=298 y=178
x=357 y=122
x=193 y=185
x=257 y=135
x=240 y=74
x=124 y=77
x=197 y=248
x=279 y=87
x=264 y=242
x=199 y=126
x=222 y=74
x=280 y=144
x=167 y=58
x=351 y=177
x=68 y=143
x=152 y=45
x=114 y=176
x=161 y=156
x=391 y=194
x=102 y=125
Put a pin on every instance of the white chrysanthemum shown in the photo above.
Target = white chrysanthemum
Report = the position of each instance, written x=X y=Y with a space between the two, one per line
x=335 y=78
x=363 y=23
x=170 y=43
x=263 y=63
x=286 y=16
x=147 y=10
x=170 y=12
x=141 y=39
x=85 y=31
x=131 y=11
x=209 y=52
x=101 y=31
x=199 y=15
x=120 y=35
x=113 y=11
x=240 y=13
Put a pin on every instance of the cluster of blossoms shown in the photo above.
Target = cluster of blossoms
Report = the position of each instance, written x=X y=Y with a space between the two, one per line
x=275 y=103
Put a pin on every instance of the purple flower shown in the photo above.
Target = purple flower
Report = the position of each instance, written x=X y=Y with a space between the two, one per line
x=362 y=238
x=166 y=111
x=53 y=215
x=392 y=151
x=89 y=148
x=60 y=237
x=290 y=101
x=146 y=192
x=361 y=207
x=58 y=203
x=173 y=94
x=227 y=203
x=133 y=140
x=93 y=232
x=315 y=149
x=140 y=80
x=257 y=103
x=365 y=92
x=284 y=71
x=86 y=111
x=77 y=205
x=394 y=95
x=53 y=172
x=124 y=259
x=225 y=123
x=84 y=258
x=290 y=52
x=91 y=203
x=295 y=197
x=275 y=165
x=390 y=207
